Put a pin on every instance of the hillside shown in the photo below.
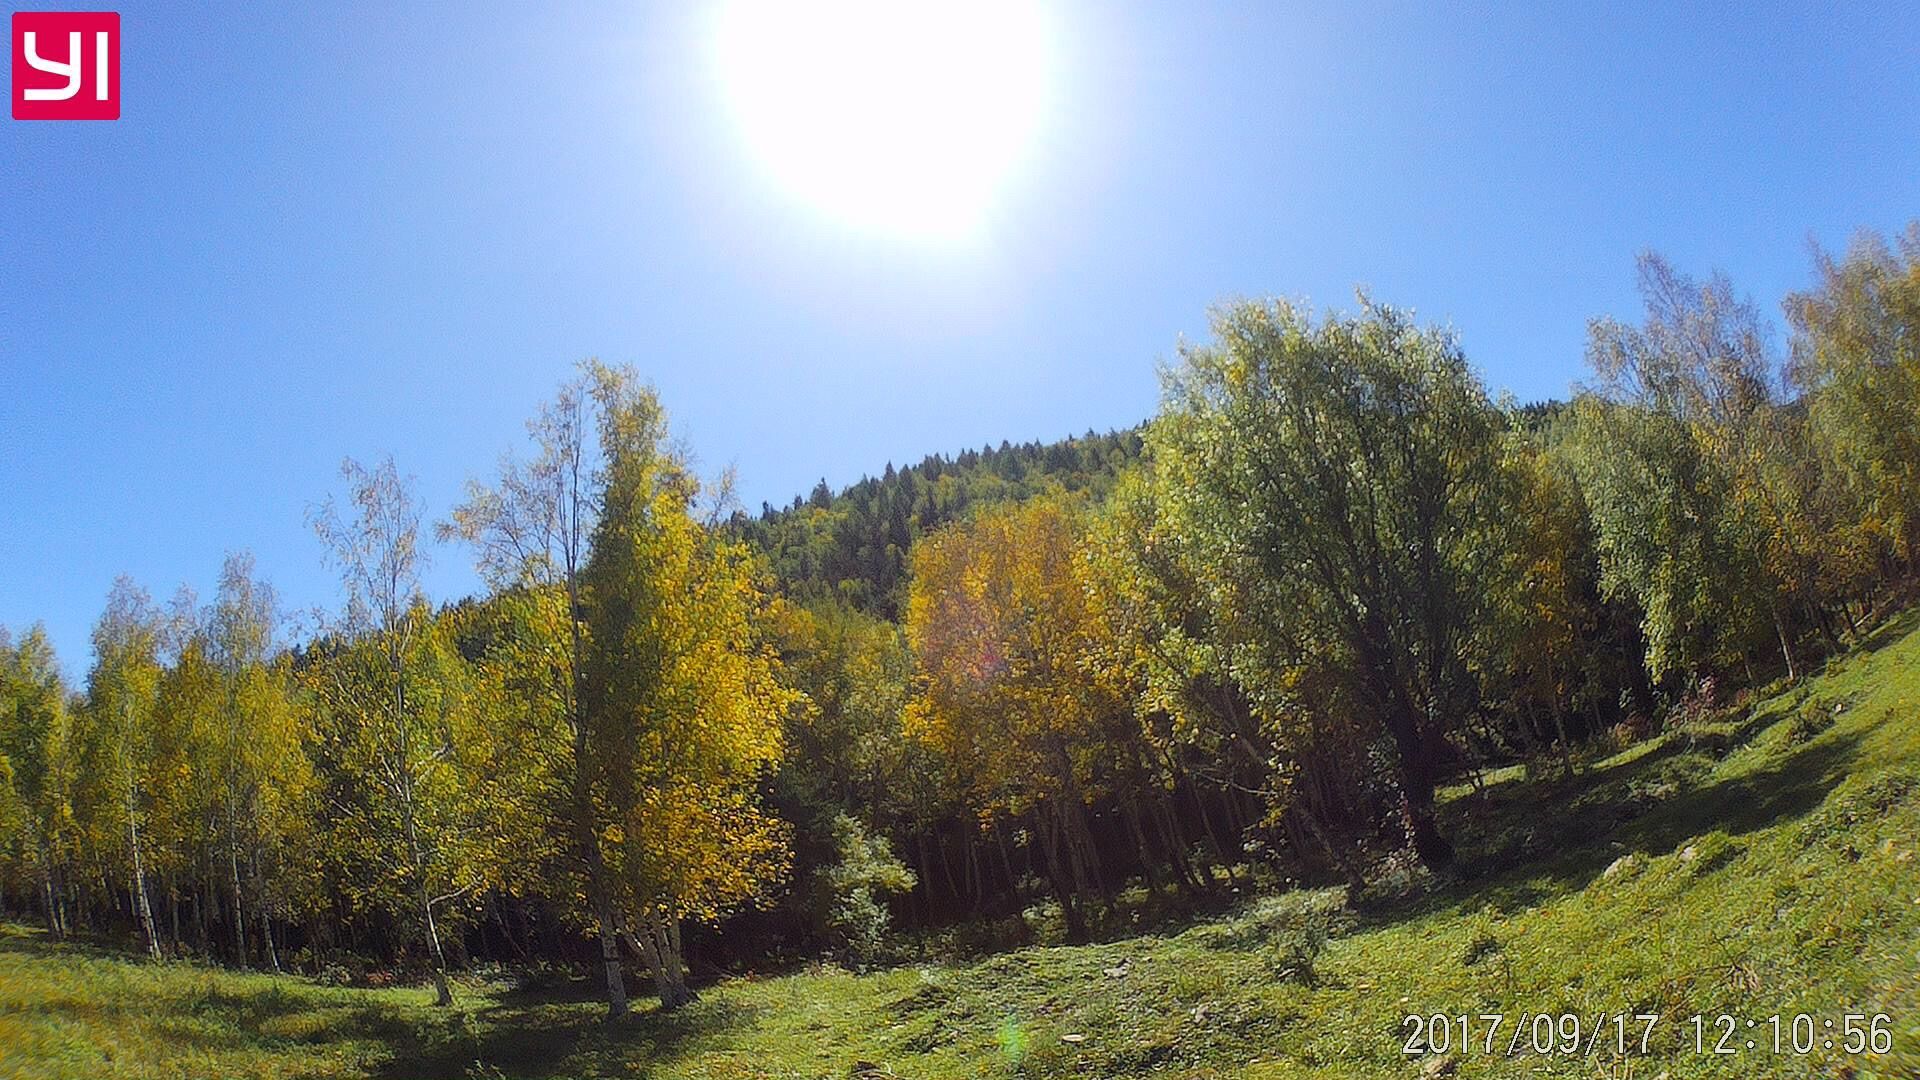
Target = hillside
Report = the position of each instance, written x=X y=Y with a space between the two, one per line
x=853 y=543
x=1757 y=861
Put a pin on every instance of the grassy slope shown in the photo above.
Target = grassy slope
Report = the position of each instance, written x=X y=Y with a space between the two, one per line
x=1763 y=864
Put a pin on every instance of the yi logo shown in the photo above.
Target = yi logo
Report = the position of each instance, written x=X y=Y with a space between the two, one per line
x=66 y=65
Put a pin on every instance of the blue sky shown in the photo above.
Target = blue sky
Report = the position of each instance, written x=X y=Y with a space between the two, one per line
x=329 y=230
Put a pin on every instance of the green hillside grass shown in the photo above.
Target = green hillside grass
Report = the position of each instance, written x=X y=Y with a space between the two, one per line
x=1763 y=861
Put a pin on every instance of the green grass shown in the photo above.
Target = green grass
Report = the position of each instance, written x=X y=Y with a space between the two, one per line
x=1765 y=862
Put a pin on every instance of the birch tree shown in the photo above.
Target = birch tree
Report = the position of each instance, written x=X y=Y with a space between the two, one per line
x=36 y=739
x=247 y=744
x=681 y=696
x=392 y=726
x=122 y=692
x=531 y=531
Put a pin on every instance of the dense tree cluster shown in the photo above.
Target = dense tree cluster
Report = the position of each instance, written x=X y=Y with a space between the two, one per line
x=854 y=546
x=1255 y=636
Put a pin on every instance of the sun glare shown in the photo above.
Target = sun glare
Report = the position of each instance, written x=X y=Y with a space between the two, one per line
x=901 y=116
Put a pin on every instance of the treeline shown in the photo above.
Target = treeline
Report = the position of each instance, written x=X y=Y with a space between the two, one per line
x=853 y=546
x=1254 y=637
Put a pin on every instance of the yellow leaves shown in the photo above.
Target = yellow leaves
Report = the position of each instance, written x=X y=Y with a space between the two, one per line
x=1010 y=646
x=681 y=693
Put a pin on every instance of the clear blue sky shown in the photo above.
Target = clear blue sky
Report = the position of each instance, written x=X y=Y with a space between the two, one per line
x=327 y=230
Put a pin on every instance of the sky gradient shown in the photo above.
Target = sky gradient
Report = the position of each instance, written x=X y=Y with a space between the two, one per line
x=331 y=230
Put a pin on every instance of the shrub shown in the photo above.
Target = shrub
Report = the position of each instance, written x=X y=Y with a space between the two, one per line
x=1293 y=953
x=851 y=892
x=1808 y=721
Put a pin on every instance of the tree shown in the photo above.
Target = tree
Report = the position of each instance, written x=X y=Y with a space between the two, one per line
x=638 y=644
x=250 y=748
x=1003 y=632
x=1563 y=655
x=849 y=892
x=36 y=740
x=680 y=692
x=1856 y=361
x=531 y=531
x=1681 y=444
x=117 y=735
x=192 y=735
x=393 y=697
x=845 y=776
x=846 y=744
x=1340 y=481
x=1175 y=661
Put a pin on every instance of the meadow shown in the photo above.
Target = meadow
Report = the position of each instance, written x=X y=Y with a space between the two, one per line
x=1753 y=861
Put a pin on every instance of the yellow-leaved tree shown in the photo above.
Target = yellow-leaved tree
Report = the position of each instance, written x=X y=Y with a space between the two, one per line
x=632 y=649
x=1003 y=627
x=682 y=693
x=401 y=724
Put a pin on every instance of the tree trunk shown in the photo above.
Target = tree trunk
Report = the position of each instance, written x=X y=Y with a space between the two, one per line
x=926 y=874
x=1077 y=930
x=1149 y=865
x=1560 y=728
x=657 y=940
x=1083 y=855
x=1418 y=750
x=677 y=952
x=599 y=895
x=266 y=935
x=946 y=867
x=202 y=910
x=1786 y=643
x=610 y=955
x=1356 y=881
x=499 y=912
x=1176 y=843
x=976 y=885
x=239 y=923
x=442 y=992
x=1416 y=810
x=143 y=908
x=599 y=892
x=63 y=892
x=52 y=894
x=1213 y=835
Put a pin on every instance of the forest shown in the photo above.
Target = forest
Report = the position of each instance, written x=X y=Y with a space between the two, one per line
x=1036 y=691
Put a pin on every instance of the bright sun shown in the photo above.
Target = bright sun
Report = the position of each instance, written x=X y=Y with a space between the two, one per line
x=890 y=114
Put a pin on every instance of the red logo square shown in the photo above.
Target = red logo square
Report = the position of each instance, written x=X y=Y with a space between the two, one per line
x=66 y=65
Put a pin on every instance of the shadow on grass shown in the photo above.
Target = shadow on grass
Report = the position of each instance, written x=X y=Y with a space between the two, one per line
x=540 y=1036
x=574 y=990
x=39 y=944
x=1888 y=632
x=1513 y=856
x=551 y=1031
x=194 y=1009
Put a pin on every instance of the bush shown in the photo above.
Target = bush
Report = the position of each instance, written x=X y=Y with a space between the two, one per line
x=1293 y=952
x=1809 y=720
x=850 y=892
x=1288 y=932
